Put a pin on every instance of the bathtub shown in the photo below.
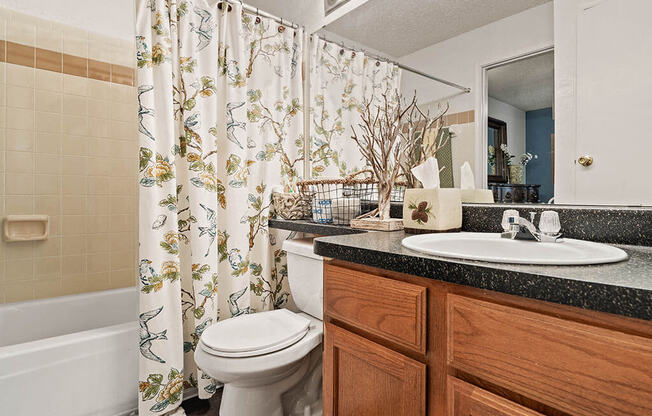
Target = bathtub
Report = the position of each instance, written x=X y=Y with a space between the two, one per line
x=70 y=355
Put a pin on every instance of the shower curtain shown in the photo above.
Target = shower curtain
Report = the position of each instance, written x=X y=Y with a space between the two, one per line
x=341 y=80
x=220 y=124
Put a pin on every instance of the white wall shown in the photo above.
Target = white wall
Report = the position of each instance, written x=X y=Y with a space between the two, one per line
x=458 y=59
x=515 y=119
x=114 y=18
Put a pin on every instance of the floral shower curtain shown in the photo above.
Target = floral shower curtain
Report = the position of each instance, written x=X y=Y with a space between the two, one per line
x=220 y=124
x=341 y=81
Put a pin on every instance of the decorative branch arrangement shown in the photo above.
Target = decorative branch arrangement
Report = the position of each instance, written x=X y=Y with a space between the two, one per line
x=381 y=142
x=423 y=139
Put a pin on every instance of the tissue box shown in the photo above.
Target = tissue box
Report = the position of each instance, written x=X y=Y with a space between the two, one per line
x=478 y=196
x=432 y=210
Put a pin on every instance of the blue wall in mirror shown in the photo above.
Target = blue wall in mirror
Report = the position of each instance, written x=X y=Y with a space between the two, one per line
x=539 y=126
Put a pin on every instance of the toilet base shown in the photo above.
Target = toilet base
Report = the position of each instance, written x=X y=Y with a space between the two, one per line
x=243 y=399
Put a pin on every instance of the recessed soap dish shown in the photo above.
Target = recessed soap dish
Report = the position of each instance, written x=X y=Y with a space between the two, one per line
x=26 y=227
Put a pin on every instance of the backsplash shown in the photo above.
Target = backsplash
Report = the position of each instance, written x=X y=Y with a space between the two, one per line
x=68 y=149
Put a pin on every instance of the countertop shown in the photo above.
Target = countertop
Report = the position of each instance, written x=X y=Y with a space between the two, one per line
x=623 y=288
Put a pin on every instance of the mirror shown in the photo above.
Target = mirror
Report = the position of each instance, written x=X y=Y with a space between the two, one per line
x=581 y=93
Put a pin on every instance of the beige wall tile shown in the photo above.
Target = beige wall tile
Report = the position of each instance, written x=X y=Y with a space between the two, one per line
x=49 y=81
x=19 y=269
x=19 y=162
x=98 y=224
x=98 y=108
x=18 y=292
x=47 y=288
x=48 y=122
x=47 y=184
x=99 y=90
x=17 y=250
x=20 y=75
x=48 y=248
x=49 y=35
x=55 y=225
x=21 y=31
x=72 y=245
x=19 y=204
x=19 y=184
x=75 y=41
x=98 y=185
x=47 y=205
x=19 y=118
x=122 y=94
x=99 y=127
x=73 y=225
x=47 y=267
x=74 y=165
x=48 y=101
x=99 y=262
x=73 y=284
x=75 y=85
x=74 y=125
x=74 y=145
x=97 y=206
x=100 y=166
x=20 y=97
x=74 y=205
x=75 y=105
x=20 y=140
x=47 y=163
x=48 y=143
x=98 y=243
x=73 y=185
x=123 y=278
x=99 y=281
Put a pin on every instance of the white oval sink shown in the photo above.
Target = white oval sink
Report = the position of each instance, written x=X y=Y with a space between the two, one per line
x=492 y=248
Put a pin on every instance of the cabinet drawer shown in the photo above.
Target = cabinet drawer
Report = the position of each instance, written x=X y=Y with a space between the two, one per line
x=576 y=368
x=390 y=309
x=465 y=399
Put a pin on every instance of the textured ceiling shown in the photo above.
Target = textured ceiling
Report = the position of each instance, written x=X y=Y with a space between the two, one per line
x=398 y=28
x=527 y=84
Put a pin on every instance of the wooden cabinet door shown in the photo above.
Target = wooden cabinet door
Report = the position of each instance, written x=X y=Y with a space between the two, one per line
x=468 y=400
x=362 y=378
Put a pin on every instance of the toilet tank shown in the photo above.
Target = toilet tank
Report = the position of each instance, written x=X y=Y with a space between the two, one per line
x=306 y=276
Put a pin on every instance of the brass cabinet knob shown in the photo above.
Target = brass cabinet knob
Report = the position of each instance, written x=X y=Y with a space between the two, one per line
x=585 y=160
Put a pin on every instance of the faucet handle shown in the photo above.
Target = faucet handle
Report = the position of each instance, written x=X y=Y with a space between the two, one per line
x=549 y=222
x=507 y=215
x=533 y=215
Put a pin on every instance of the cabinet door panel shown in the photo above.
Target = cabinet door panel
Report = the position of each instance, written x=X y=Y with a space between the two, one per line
x=572 y=367
x=467 y=400
x=388 y=308
x=362 y=378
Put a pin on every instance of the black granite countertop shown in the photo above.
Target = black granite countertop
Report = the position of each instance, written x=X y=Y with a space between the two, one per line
x=623 y=288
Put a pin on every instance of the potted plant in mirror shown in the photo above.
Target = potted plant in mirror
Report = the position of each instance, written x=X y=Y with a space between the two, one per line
x=517 y=171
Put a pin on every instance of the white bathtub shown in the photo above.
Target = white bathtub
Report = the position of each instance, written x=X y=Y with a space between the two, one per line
x=70 y=356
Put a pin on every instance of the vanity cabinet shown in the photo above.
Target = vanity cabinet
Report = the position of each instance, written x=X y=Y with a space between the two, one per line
x=397 y=344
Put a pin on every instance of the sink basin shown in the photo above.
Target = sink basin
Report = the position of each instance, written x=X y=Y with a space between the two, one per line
x=492 y=248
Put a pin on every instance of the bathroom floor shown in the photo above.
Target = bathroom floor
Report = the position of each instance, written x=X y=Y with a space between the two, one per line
x=196 y=407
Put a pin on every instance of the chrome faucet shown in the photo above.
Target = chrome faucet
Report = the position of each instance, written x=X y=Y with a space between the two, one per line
x=517 y=228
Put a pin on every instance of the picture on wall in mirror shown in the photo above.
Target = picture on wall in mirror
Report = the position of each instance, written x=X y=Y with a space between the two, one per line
x=520 y=129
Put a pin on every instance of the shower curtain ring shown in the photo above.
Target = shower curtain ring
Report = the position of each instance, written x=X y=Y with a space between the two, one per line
x=257 y=16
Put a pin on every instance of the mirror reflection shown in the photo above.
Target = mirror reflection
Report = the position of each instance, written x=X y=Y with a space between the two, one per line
x=544 y=104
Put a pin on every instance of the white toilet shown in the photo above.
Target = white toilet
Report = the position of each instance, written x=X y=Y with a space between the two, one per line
x=260 y=356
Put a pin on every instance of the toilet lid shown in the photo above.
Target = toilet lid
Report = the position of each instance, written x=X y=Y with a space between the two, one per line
x=255 y=334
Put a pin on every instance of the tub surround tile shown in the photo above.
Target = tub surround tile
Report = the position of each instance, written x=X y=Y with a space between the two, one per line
x=69 y=137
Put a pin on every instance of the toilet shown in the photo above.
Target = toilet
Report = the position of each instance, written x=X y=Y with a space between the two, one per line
x=261 y=356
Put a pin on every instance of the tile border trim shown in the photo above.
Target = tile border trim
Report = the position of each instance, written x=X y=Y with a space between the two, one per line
x=45 y=59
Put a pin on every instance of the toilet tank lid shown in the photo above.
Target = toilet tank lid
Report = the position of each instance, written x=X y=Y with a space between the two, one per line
x=301 y=247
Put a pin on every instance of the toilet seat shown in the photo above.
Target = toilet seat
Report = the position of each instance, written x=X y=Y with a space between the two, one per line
x=255 y=334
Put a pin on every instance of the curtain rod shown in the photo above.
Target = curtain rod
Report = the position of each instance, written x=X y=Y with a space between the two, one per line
x=404 y=67
x=254 y=10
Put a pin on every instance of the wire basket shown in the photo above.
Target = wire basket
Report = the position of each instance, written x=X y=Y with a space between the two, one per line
x=338 y=201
